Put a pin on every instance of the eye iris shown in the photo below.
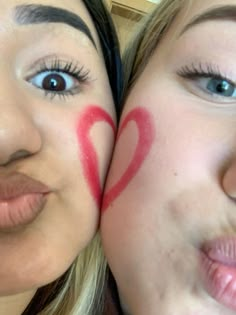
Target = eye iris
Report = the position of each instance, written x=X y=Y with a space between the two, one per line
x=221 y=87
x=54 y=82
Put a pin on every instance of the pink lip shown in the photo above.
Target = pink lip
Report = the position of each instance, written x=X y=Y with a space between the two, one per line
x=21 y=200
x=218 y=262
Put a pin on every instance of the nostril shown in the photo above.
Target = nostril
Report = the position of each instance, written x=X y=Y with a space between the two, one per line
x=20 y=154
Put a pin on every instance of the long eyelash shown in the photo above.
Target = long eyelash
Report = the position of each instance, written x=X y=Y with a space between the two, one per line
x=57 y=65
x=70 y=68
x=207 y=70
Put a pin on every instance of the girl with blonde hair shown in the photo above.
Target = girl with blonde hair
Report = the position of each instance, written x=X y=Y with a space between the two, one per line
x=169 y=219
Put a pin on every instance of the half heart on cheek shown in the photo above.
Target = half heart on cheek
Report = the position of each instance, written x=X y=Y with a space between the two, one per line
x=89 y=157
x=146 y=135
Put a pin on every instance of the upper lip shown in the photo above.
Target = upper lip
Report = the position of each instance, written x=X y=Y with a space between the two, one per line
x=222 y=250
x=16 y=184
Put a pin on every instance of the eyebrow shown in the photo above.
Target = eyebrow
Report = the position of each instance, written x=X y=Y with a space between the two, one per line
x=38 y=14
x=222 y=13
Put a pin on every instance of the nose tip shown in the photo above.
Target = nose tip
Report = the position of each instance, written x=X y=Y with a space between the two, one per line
x=229 y=180
x=19 y=136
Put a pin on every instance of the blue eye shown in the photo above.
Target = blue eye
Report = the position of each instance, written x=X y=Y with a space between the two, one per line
x=209 y=79
x=221 y=87
x=54 y=81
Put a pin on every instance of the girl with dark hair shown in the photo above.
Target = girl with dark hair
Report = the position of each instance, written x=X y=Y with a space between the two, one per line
x=61 y=81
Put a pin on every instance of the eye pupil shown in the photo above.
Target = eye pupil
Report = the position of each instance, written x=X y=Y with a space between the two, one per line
x=54 y=82
x=222 y=86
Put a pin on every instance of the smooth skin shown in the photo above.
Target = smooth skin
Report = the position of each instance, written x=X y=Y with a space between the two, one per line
x=184 y=192
x=39 y=138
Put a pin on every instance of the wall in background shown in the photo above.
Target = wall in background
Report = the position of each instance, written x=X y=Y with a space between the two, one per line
x=127 y=13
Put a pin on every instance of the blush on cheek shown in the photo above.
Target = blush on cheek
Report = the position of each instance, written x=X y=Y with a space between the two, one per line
x=146 y=135
x=89 y=157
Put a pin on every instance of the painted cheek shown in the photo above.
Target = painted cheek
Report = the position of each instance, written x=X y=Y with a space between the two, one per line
x=88 y=156
x=146 y=135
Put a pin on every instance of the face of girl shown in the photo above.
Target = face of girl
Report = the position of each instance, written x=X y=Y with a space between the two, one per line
x=56 y=133
x=169 y=223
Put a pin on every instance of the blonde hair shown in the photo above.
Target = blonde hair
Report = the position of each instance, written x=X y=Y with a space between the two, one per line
x=79 y=291
x=148 y=35
x=82 y=291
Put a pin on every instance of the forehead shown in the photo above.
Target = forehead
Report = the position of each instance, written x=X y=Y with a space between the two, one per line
x=194 y=8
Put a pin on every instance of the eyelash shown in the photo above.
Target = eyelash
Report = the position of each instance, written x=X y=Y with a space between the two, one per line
x=200 y=70
x=69 y=68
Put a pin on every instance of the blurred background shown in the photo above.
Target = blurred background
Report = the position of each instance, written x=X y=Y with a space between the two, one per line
x=127 y=13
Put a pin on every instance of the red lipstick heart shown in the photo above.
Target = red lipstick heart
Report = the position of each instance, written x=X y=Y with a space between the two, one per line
x=89 y=159
x=146 y=135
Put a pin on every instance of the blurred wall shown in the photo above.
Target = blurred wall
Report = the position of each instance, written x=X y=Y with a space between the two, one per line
x=127 y=13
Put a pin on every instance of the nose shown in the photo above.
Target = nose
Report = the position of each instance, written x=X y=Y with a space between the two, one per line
x=19 y=135
x=229 y=180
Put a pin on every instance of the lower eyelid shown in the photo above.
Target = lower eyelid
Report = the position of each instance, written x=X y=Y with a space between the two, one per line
x=51 y=95
x=62 y=95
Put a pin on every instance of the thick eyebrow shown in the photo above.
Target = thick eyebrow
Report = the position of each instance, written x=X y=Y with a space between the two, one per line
x=38 y=14
x=222 y=13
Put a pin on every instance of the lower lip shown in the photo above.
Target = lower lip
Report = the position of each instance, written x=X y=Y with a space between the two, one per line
x=20 y=211
x=220 y=281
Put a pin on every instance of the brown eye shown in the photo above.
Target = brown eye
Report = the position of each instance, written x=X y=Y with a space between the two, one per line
x=55 y=82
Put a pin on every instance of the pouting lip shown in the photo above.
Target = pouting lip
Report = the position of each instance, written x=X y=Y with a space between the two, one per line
x=22 y=199
x=221 y=250
x=16 y=184
x=19 y=212
x=219 y=279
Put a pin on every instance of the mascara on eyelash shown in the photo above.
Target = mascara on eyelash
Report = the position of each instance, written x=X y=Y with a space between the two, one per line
x=61 y=95
x=207 y=70
x=57 y=65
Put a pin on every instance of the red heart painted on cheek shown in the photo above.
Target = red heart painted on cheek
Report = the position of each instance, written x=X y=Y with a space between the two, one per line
x=146 y=135
x=89 y=159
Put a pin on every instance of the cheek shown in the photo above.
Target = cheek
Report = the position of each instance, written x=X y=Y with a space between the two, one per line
x=163 y=154
x=134 y=142
x=88 y=153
